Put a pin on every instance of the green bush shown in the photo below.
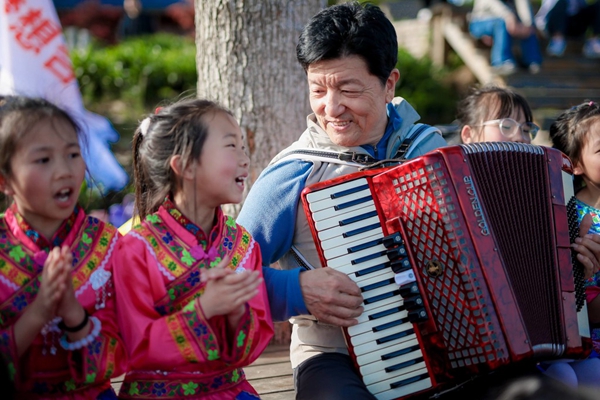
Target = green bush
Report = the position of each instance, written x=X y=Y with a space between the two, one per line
x=140 y=71
x=424 y=87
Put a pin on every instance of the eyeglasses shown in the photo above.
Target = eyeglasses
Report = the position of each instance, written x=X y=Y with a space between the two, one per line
x=509 y=128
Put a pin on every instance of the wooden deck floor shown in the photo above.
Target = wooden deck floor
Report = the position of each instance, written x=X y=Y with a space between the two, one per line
x=270 y=374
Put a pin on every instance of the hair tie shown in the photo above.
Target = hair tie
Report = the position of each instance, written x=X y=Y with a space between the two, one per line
x=144 y=125
x=591 y=103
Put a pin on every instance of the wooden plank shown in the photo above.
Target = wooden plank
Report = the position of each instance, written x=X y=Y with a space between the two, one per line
x=287 y=395
x=268 y=370
x=273 y=385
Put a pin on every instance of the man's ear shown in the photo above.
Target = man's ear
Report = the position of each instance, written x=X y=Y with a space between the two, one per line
x=466 y=134
x=390 y=85
x=176 y=165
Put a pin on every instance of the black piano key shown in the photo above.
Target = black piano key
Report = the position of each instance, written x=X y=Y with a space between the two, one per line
x=394 y=336
x=359 y=231
x=385 y=313
x=372 y=269
x=389 y=325
x=349 y=221
x=367 y=257
x=376 y=285
x=403 y=365
x=352 y=203
x=380 y=297
x=408 y=381
x=366 y=245
x=346 y=192
x=399 y=353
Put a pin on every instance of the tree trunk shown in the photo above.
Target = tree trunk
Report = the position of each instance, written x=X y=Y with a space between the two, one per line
x=246 y=61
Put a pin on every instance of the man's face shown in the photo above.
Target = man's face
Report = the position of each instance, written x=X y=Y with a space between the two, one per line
x=349 y=102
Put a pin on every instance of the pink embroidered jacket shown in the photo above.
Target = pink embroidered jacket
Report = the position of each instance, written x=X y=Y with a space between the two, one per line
x=46 y=369
x=175 y=352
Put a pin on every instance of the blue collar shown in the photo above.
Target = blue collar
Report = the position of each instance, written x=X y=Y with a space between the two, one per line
x=394 y=122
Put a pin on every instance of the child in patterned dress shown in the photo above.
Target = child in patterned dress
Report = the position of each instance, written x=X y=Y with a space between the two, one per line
x=58 y=331
x=576 y=133
x=188 y=336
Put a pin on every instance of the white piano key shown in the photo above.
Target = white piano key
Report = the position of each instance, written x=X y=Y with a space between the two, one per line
x=363 y=351
x=376 y=354
x=380 y=366
x=330 y=212
x=347 y=259
x=374 y=380
x=402 y=391
x=390 y=287
x=330 y=203
x=337 y=233
x=373 y=336
x=339 y=248
x=334 y=221
x=364 y=317
x=394 y=300
x=325 y=194
x=386 y=272
x=350 y=268
x=368 y=326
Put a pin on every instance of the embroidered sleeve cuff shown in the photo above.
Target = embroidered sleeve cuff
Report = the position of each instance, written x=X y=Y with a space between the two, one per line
x=203 y=334
x=236 y=350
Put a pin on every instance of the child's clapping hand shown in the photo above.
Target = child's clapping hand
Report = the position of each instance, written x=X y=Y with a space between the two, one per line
x=54 y=282
x=227 y=292
x=69 y=308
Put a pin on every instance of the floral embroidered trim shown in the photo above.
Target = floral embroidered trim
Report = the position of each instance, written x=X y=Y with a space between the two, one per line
x=105 y=258
x=160 y=385
x=151 y=251
x=9 y=283
x=178 y=332
x=247 y=254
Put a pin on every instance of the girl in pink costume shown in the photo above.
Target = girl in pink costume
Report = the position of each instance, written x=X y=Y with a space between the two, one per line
x=188 y=336
x=58 y=334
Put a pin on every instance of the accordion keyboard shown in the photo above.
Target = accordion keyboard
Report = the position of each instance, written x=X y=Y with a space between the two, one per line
x=384 y=343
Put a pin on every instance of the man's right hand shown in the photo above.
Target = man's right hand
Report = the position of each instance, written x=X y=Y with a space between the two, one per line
x=331 y=296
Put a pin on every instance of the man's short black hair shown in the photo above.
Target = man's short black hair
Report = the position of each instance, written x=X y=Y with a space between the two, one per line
x=350 y=29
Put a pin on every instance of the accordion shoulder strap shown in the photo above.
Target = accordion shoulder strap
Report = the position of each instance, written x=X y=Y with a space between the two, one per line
x=418 y=133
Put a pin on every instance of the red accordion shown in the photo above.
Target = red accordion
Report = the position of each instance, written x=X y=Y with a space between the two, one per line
x=463 y=257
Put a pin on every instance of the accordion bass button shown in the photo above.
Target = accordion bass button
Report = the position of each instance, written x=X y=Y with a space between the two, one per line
x=409 y=289
x=413 y=302
x=417 y=315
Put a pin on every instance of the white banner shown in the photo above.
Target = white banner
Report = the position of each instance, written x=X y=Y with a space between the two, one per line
x=34 y=61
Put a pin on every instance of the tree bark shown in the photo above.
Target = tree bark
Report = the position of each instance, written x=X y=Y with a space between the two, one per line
x=246 y=61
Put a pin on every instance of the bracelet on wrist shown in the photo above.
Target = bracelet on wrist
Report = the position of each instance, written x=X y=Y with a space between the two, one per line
x=71 y=346
x=76 y=328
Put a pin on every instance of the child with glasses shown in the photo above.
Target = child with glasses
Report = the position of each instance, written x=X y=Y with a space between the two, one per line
x=576 y=133
x=495 y=114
